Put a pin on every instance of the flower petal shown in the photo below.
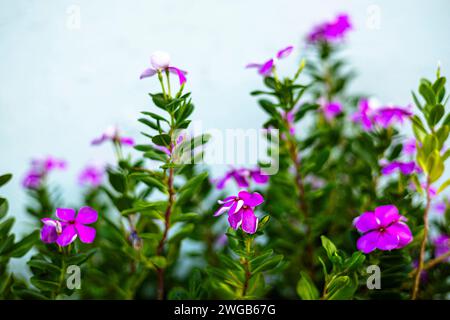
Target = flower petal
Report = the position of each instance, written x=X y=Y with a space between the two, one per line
x=284 y=53
x=366 y=222
x=249 y=221
x=368 y=242
x=235 y=219
x=387 y=241
x=387 y=214
x=147 y=73
x=86 y=215
x=86 y=234
x=266 y=68
x=251 y=199
x=65 y=214
x=68 y=235
x=401 y=230
x=180 y=73
x=48 y=234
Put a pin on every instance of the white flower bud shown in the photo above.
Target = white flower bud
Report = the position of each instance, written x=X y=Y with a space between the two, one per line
x=160 y=60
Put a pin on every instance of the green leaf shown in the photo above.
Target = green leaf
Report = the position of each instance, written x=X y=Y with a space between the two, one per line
x=444 y=186
x=305 y=108
x=149 y=123
x=5 y=178
x=306 y=288
x=159 y=101
x=185 y=217
x=148 y=206
x=329 y=247
x=158 y=261
x=162 y=140
x=6 y=226
x=44 y=285
x=268 y=106
x=193 y=183
x=82 y=257
x=3 y=207
x=117 y=181
x=436 y=115
x=435 y=166
x=24 y=245
x=427 y=93
x=155 y=116
x=269 y=264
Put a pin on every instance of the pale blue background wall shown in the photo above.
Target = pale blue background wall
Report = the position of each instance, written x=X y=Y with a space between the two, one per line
x=59 y=87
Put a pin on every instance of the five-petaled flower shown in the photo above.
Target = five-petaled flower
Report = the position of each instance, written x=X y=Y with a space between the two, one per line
x=265 y=69
x=160 y=61
x=240 y=210
x=69 y=226
x=383 y=229
x=331 y=110
x=112 y=134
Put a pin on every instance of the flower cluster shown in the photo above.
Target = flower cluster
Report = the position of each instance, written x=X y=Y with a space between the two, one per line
x=383 y=229
x=64 y=230
x=91 y=175
x=40 y=168
x=240 y=210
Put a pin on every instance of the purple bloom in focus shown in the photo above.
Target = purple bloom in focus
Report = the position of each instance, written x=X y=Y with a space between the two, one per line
x=40 y=168
x=265 y=68
x=160 y=61
x=383 y=229
x=442 y=245
x=331 y=110
x=91 y=175
x=404 y=167
x=240 y=210
x=331 y=31
x=112 y=134
x=69 y=226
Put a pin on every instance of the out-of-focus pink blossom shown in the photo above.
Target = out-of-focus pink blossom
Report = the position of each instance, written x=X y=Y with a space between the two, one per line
x=91 y=175
x=331 y=31
x=112 y=134
x=265 y=69
x=39 y=169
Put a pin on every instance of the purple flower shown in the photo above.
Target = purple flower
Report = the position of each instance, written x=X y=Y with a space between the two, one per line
x=112 y=134
x=331 y=31
x=240 y=210
x=331 y=110
x=242 y=176
x=69 y=226
x=40 y=168
x=386 y=116
x=370 y=114
x=91 y=175
x=265 y=69
x=409 y=147
x=160 y=61
x=404 y=167
x=51 y=230
x=383 y=229
x=442 y=245
x=169 y=150
x=441 y=207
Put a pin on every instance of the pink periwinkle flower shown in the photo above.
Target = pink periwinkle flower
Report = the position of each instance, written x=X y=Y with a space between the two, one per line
x=370 y=114
x=160 y=61
x=442 y=245
x=39 y=169
x=441 y=207
x=331 y=110
x=331 y=31
x=383 y=229
x=265 y=69
x=91 y=175
x=69 y=226
x=404 y=167
x=240 y=210
x=112 y=134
